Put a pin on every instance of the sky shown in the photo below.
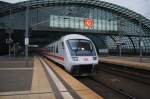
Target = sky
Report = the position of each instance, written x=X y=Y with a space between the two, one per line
x=139 y=6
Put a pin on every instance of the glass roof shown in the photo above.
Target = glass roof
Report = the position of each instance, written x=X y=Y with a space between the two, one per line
x=35 y=3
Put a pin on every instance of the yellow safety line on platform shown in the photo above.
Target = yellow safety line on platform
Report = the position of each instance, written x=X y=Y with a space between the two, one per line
x=40 y=81
x=83 y=91
x=41 y=89
x=60 y=86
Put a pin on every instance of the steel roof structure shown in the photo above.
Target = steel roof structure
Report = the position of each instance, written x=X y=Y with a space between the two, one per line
x=36 y=3
x=107 y=33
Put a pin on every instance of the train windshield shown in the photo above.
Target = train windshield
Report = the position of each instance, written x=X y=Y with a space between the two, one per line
x=81 y=47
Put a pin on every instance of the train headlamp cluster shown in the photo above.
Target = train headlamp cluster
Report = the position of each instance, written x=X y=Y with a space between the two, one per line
x=82 y=49
x=75 y=58
x=94 y=58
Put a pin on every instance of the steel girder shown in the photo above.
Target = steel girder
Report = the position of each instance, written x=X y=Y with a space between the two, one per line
x=93 y=3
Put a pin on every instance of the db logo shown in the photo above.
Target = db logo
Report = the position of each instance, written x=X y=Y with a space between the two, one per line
x=89 y=23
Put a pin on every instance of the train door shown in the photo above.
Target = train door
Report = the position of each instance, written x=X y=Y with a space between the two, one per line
x=61 y=49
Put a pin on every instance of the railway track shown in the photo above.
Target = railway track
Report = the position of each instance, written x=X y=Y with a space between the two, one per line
x=107 y=91
x=119 y=83
x=141 y=76
x=114 y=87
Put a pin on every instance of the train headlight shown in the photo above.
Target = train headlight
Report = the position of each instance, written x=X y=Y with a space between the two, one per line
x=94 y=58
x=75 y=58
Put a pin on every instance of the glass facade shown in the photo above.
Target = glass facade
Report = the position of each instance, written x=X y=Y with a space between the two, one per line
x=109 y=25
x=78 y=23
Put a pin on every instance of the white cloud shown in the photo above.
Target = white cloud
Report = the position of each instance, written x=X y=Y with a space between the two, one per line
x=139 y=6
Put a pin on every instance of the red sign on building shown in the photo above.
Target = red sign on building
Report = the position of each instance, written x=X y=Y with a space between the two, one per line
x=89 y=23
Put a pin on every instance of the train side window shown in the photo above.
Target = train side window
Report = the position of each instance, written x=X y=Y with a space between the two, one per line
x=62 y=45
x=56 y=48
x=48 y=48
x=52 y=48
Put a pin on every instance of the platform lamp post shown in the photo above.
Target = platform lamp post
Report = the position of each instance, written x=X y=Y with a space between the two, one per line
x=119 y=41
x=9 y=40
x=120 y=35
x=140 y=42
x=10 y=32
x=27 y=30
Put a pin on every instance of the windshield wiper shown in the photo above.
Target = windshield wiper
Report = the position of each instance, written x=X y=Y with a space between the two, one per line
x=91 y=47
x=76 y=50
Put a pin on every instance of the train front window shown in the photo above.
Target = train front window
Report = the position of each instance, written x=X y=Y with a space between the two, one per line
x=81 y=47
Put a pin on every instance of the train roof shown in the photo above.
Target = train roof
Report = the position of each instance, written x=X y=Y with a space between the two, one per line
x=74 y=36
x=70 y=36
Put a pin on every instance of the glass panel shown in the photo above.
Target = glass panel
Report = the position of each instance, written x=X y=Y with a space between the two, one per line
x=81 y=47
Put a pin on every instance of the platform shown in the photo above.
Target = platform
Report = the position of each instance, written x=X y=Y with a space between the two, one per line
x=133 y=61
x=39 y=79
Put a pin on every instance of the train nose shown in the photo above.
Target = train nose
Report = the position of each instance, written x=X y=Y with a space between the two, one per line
x=75 y=58
x=86 y=60
x=94 y=58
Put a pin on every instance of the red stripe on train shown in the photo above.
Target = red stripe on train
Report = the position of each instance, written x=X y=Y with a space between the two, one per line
x=54 y=56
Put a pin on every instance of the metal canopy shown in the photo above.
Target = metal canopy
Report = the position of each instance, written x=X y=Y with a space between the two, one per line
x=35 y=3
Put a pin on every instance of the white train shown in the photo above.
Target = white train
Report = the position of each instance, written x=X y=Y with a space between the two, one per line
x=75 y=52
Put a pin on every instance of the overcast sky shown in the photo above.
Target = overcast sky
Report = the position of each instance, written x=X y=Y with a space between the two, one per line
x=139 y=6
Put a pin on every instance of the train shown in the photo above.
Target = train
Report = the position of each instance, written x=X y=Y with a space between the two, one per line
x=75 y=52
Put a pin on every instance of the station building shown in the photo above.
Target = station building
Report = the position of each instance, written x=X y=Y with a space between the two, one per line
x=108 y=25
